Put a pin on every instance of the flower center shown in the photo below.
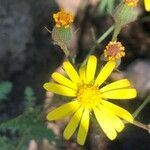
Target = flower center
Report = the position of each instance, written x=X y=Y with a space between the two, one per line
x=114 y=50
x=131 y=3
x=89 y=96
x=63 y=18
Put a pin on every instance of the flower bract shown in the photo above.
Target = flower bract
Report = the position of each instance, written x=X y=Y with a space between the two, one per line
x=90 y=96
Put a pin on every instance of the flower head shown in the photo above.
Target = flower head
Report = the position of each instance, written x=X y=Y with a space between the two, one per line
x=88 y=98
x=147 y=5
x=63 y=19
x=114 y=50
x=131 y=3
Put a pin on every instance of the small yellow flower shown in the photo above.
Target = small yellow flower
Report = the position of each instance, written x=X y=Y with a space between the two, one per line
x=131 y=3
x=114 y=50
x=89 y=97
x=63 y=19
x=147 y=5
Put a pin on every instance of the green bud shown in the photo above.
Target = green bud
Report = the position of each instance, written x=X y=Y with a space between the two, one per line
x=124 y=14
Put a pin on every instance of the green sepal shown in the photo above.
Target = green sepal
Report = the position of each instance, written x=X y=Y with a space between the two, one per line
x=61 y=34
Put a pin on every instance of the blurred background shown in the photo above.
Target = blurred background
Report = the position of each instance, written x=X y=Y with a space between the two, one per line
x=28 y=57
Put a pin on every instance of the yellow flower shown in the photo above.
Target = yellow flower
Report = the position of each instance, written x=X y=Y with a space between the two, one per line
x=114 y=50
x=147 y=5
x=131 y=3
x=88 y=98
x=63 y=19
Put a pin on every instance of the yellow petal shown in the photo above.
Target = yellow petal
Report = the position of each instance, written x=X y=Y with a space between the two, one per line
x=124 y=83
x=71 y=72
x=105 y=72
x=120 y=112
x=73 y=124
x=105 y=124
x=91 y=68
x=84 y=126
x=63 y=80
x=147 y=5
x=59 y=89
x=120 y=94
x=115 y=121
x=63 y=111
x=82 y=73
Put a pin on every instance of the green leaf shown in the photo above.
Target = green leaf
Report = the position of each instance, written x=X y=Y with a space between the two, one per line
x=6 y=144
x=29 y=125
x=40 y=132
x=5 y=89
x=29 y=98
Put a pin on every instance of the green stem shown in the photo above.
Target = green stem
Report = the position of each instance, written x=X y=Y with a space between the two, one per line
x=21 y=140
x=101 y=39
x=105 y=34
x=65 y=50
x=71 y=59
x=141 y=125
x=139 y=109
x=93 y=34
x=116 y=32
x=20 y=143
